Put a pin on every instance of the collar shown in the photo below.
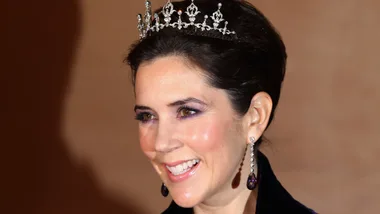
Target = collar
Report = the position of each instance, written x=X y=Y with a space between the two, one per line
x=272 y=197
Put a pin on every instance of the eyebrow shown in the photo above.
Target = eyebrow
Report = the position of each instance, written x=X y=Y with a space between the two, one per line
x=138 y=107
x=176 y=103
x=185 y=101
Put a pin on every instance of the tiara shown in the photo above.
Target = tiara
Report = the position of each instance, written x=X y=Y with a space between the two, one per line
x=145 y=24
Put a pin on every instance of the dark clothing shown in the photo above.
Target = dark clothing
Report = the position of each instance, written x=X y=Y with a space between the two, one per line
x=272 y=197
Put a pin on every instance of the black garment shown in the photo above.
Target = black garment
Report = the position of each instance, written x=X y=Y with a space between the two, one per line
x=272 y=197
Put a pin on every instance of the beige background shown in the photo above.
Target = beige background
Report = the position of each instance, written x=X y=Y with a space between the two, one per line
x=71 y=141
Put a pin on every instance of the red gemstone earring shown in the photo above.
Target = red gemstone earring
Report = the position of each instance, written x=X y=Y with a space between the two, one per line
x=252 y=180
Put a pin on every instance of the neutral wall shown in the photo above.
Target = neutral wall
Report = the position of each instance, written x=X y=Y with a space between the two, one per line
x=69 y=127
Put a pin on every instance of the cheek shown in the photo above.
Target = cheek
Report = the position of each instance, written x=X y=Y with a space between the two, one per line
x=146 y=142
x=216 y=142
x=205 y=137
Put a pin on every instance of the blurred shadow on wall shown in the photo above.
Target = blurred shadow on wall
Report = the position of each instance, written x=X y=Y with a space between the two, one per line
x=40 y=176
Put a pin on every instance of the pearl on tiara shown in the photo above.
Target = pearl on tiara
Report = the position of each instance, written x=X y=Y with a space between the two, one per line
x=144 y=24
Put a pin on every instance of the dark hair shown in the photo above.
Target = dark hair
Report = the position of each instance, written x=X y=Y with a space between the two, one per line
x=244 y=64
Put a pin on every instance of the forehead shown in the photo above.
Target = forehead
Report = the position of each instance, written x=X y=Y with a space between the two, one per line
x=170 y=78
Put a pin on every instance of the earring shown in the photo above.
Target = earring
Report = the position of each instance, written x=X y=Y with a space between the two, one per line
x=164 y=190
x=252 y=180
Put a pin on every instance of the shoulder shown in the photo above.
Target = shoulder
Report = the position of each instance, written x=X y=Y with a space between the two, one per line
x=272 y=196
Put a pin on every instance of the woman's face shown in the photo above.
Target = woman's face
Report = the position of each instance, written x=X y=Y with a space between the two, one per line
x=188 y=130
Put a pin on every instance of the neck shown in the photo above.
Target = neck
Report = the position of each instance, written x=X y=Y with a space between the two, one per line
x=232 y=200
x=245 y=203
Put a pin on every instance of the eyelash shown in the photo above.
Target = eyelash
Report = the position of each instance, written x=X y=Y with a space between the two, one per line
x=140 y=116
x=196 y=111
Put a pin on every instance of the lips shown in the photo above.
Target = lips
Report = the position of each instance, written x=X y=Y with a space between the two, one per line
x=180 y=171
x=182 y=167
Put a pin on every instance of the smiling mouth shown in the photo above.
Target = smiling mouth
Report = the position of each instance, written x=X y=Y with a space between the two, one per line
x=182 y=167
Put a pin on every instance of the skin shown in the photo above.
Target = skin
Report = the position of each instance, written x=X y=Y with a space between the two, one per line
x=210 y=131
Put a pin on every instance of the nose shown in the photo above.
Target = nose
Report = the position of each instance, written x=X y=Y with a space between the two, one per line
x=165 y=139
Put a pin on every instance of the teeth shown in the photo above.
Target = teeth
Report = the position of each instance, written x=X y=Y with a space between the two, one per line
x=182 y=168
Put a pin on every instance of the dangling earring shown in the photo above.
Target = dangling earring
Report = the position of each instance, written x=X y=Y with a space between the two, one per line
x=164 y=190
x=252 y=180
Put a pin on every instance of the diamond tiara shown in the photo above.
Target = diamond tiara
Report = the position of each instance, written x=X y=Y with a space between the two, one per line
x=145 y=23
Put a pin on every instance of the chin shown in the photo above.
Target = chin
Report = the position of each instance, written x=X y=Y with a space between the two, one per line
x=186 y=200
x=188 y=188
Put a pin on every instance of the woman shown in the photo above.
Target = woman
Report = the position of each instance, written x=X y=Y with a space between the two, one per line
x=207 y=77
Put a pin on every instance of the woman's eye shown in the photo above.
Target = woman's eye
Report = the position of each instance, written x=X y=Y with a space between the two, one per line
x=145 y=117
x=186 y=112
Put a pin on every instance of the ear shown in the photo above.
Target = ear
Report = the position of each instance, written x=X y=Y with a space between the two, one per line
x=257 y=117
